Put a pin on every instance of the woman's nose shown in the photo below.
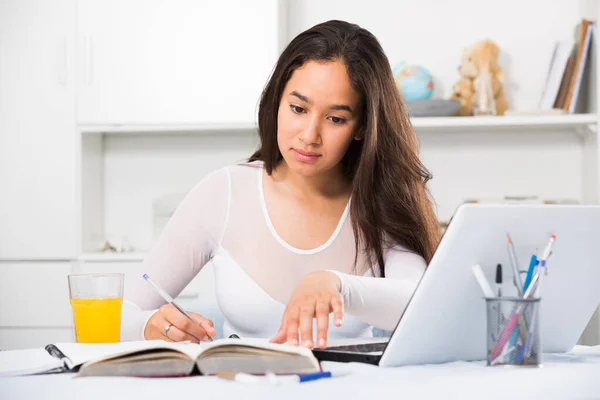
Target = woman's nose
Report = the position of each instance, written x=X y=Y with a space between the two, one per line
x=311 y=134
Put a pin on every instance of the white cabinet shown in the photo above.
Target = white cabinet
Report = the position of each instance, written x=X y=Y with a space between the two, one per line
x=131 y=269
x=174 y=62
x=200 y=289
x=27 y=338
x=35 y=294
x=37 y=130
x=34 y=304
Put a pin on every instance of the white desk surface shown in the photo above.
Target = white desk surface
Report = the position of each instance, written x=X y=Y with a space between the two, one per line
x=575 y=375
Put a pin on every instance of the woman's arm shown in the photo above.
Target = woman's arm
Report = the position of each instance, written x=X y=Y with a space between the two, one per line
x=381 y=301
x=186 y=244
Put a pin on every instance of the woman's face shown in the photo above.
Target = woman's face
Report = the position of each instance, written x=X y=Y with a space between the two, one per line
x=317 y=118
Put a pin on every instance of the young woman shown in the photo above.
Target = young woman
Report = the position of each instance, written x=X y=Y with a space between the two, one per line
x=326 y=230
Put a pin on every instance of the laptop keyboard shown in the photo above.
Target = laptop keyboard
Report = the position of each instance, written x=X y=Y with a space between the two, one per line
x=360 y=348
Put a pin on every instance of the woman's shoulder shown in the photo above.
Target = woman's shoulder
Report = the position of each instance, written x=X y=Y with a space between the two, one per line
x=245 y=167
x=226 y=173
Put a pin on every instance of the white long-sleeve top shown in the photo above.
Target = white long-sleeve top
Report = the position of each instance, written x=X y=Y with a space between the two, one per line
x=225 y=219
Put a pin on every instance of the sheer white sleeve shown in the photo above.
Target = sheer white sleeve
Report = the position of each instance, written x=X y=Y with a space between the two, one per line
x=186 y=244
x=381 y=301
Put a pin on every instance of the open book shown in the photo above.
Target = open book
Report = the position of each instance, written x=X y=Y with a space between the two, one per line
x=158 y=358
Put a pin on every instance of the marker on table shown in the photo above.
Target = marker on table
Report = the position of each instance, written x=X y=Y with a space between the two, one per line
x=170 y=300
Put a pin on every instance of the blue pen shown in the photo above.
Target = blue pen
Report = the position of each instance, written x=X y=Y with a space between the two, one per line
x=532 y=264
x=526 y=348
x=277 y=380
x=515 y=334
x=318 y=375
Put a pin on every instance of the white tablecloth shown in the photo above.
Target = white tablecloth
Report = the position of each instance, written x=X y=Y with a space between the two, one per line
x=575 y=375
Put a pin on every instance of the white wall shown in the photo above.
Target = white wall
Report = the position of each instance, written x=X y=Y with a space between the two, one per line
x=428 y=32
x=433 y=33
x=139 y=169
x=490 y=166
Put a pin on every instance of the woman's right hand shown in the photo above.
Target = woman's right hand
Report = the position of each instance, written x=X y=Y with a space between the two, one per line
x=180 y=328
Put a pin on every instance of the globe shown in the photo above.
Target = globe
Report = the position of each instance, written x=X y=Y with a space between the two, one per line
x=414 y=81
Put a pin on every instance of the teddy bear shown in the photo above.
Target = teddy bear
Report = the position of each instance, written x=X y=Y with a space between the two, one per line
x=479 y=59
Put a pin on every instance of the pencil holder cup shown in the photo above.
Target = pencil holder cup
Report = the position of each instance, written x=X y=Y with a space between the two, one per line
x=513 y=331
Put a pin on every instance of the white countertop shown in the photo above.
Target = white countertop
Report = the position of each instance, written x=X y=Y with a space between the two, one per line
x=572 y=375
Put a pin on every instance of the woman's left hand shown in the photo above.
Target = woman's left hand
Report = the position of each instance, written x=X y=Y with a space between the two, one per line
x=317 y=295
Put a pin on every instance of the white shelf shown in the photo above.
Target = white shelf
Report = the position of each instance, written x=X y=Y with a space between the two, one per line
x=164 y=128
x=112 y=257
x=575 y=122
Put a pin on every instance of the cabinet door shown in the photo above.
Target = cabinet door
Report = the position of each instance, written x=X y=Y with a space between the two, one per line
x=37 y=130
x=35 y=295
x=176 y=61
x=27 y=338
x=34 y=304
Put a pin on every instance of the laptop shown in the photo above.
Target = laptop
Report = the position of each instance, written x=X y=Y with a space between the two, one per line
x=445 y=319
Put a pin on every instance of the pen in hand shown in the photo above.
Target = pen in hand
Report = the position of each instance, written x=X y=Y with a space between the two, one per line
x=170 y=300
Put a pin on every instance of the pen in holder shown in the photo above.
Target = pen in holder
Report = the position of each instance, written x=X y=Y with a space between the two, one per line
x=508 y=316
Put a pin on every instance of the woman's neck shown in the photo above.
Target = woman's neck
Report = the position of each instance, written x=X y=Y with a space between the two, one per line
x=331 y=184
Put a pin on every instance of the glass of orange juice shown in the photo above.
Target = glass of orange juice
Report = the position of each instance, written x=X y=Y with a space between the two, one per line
x=96 y=300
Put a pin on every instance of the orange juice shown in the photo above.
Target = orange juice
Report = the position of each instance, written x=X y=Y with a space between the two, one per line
x=97 y=320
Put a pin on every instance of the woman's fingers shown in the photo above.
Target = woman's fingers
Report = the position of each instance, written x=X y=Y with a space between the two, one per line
x=299 y=316
x=205 y=323
x=184 y=324
x=322 y=315
x=162 y=329
x=177 y=335
x=337 y=307
x=292 y=326
x=307 y=313
x=182 y=329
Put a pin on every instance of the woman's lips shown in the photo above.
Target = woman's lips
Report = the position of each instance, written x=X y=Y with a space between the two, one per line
x=305 y=156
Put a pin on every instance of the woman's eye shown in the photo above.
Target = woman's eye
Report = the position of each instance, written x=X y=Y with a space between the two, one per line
x=297 y=110
x=337 y=120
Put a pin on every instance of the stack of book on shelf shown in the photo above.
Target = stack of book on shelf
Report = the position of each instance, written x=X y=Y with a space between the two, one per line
x=567 y=70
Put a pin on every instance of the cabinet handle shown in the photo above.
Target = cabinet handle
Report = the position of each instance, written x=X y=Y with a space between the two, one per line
x=63 y=62
x=90 y=59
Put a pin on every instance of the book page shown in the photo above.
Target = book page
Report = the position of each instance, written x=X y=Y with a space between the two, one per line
x=260 y=344
x=27 y=362
x=80 y=353
x=255 y=356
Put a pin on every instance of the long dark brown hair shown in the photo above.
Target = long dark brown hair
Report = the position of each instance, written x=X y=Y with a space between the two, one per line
x=390 y=201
